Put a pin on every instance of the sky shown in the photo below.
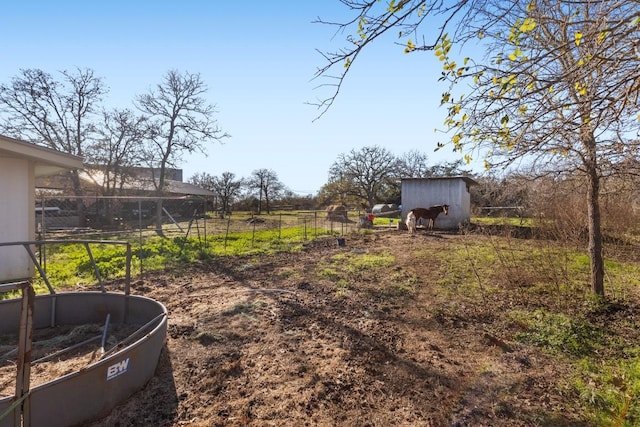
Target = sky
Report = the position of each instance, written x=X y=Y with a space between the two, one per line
x=258 y=59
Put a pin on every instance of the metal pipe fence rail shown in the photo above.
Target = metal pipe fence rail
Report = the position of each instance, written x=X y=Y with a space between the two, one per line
x=39 y=265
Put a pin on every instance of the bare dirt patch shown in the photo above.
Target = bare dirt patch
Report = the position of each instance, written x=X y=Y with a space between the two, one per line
x=272 y=341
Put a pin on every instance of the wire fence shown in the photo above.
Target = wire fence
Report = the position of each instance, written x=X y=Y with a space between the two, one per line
x=101 y=217
x=190 y=221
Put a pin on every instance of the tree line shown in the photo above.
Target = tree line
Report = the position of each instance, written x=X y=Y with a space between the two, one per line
x=358 y=179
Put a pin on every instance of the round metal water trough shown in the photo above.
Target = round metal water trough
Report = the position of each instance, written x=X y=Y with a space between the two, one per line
x=92 y=392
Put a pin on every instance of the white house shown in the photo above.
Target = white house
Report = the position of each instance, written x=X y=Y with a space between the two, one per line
x=20 y=163
x=426 y=192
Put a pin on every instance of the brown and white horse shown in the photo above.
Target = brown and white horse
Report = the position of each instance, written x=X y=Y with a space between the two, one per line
x=430 y=214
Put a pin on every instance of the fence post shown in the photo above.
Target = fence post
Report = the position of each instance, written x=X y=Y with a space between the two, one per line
x=23 y=376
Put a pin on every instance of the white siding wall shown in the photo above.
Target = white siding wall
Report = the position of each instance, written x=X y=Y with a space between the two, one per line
x=422 y=193
x=16 y=217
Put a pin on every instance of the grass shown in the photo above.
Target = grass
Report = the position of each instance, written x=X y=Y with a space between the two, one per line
x=530 y=292
x=542 y=289
x=345 y=267
x=508 y=221
x=70 y=264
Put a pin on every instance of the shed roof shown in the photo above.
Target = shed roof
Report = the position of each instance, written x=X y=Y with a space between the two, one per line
x=466 y=179
x=47 y=161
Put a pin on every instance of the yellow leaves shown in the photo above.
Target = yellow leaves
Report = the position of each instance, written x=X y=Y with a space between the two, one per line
x=487 y=165
x=457 y=141
x=528 y=25
x=361 y=28
x=347 y=63
x=421 y=10
x=442 y=49
x=513 y=37
x=468 y=158
x=602 y=36
x=410 y=46
x=507 y=83
x=445 y=98
x=581 y=89
x=393 y=7
x=516 y=54
x=578 y=38
x=523 y=109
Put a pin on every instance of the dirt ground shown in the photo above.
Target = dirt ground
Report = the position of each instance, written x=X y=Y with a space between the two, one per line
x=269 y=341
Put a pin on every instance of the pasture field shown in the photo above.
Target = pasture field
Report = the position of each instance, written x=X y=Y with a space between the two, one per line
x=439 y=329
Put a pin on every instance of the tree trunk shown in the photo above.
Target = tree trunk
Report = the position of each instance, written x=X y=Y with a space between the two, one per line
x=78 y=192
x=595 y=234
x=160 y=190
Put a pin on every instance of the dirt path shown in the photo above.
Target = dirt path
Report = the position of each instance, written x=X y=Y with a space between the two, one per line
x=280 y=341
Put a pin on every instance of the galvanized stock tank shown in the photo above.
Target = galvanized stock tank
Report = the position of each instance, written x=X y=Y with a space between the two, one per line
x=93 y=391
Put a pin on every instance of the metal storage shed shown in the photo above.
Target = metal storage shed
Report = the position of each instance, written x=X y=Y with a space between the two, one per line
x=452 y=191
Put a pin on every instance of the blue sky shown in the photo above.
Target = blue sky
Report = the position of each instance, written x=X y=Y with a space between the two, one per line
x=258 y=59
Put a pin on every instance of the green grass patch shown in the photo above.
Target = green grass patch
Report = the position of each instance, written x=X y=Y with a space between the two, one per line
x=70 y=264
x=499 y=220
x=609 y=390
x=389 y=222
x=558 y=333
x=343 y=267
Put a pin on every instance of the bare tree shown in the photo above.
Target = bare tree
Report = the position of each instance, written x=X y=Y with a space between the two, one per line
x=226 y=188
x=111 y=157
x=58 y=114
x=413 y=164
x=202 y=180
x=557 y=89
x=268 y=185
x=116 y=149
x=365 y=174
x=181 y=120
